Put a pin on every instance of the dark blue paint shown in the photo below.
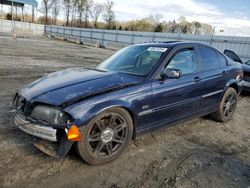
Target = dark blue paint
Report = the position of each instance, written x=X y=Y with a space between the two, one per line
x=152 y=102
x=246 y=68
x=66 y=85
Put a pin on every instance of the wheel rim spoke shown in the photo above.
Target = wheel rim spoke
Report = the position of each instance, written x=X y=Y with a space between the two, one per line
x=99 y=125
x=98 y=148
x=225 y=113
x=112 y=120
x=109 y=148
x=230 y=98
x=232 y=104
x=119 y=139
x=120 y=127
x=94 y=138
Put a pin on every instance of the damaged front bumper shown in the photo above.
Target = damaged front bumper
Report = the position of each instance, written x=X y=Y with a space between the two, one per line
x=49 y=138
x=44 y=132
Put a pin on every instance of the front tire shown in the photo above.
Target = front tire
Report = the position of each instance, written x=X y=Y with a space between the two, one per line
x=106 y=136
x=227 y=106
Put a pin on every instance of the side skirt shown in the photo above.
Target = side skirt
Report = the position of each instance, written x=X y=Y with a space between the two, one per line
x=175 y=122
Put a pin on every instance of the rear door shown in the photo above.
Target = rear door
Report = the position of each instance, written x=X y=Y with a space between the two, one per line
x=214 y=75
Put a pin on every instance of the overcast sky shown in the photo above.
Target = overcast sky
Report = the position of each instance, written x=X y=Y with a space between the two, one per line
x=231 y=15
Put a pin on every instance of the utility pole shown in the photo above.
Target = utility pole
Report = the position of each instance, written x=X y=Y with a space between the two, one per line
x=33 y=13
x=211 y=40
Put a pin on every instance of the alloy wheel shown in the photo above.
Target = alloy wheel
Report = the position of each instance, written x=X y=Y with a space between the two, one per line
x=107 y=135
x=229 y=105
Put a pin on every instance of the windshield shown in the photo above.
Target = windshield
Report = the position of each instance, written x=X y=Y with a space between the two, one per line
x=138 y=60
x=248 y=62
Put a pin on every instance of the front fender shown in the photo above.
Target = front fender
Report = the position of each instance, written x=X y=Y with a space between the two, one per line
x=84 y=112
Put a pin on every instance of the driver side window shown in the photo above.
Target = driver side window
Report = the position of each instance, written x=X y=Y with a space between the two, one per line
x=185 y=61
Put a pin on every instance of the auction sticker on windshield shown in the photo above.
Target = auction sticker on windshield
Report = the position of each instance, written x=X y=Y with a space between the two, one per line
x=157 y=49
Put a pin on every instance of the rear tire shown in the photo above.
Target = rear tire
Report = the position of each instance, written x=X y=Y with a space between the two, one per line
x=227 y=106
x=106 y=136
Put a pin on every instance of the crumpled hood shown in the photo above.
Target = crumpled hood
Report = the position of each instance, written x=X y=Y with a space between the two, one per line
x=70 y=84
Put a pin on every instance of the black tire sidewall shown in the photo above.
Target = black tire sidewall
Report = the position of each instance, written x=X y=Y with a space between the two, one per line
x=82 y=146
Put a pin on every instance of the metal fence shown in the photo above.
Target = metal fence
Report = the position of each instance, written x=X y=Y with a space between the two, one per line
x=21 y=29
x=118 y=39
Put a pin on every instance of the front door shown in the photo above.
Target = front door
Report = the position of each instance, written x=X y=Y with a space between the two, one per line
x=175 y=99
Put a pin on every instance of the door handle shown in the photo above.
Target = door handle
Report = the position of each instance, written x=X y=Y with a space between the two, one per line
x=224 y=72
x=197 y=79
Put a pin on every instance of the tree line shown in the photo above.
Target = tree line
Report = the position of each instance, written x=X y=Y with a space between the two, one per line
x=153 y=24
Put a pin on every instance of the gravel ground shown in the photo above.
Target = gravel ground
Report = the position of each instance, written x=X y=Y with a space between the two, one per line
x=198 y=153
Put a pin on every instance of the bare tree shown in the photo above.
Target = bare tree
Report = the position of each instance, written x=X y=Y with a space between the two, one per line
x=45 y=7
x=67 y=7
x=95 y=12
x=87 y=6
x=74 y=6
x=56 y=6
x=109 y=15
x=80 y=9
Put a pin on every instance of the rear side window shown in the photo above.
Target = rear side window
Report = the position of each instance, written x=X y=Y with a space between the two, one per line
x=208 y=58
x=222 y=60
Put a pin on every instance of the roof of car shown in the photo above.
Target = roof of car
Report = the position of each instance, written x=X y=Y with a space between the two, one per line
x=170 y=44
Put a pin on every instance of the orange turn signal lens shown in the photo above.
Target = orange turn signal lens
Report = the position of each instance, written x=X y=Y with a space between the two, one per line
x=74 y=134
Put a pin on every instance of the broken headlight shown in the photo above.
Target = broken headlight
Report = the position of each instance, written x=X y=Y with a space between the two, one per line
x=49 y=114
x=18 y=101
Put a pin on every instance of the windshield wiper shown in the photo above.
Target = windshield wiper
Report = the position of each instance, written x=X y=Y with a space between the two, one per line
x=100 y=70
x=134 y=74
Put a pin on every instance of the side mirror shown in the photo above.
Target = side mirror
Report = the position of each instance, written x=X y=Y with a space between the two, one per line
x=171 y=73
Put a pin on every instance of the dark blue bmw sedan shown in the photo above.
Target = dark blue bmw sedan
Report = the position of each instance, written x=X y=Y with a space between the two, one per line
x=139 y=89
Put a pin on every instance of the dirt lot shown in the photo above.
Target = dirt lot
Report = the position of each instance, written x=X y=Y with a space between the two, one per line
x=198 y=153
